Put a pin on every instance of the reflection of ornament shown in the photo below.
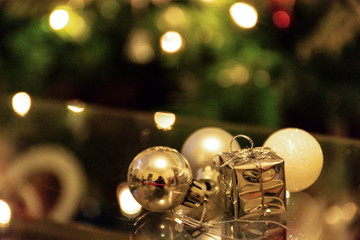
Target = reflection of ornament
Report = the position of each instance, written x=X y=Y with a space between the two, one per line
x=160 y=179
x=158 y=226
x=254 y=229
x=305 y=220
x=302 y=155
x=200 y=148
x=46 y=162
x=252 y=181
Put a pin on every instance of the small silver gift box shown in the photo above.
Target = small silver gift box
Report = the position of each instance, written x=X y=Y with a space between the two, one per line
x=252 y=182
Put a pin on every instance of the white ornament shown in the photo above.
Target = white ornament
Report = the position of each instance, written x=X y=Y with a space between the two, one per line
x=302 y=155
x=201 y=147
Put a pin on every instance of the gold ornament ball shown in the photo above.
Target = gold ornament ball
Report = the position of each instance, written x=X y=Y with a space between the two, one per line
x=159 y=178
x=302 y=155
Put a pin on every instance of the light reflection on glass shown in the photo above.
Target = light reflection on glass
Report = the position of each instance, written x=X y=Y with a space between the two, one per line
x=161 y=163
x=164 y=120
x=5 y=214
x=76 y=106
x=244 y=15
x=128 y=205
x=171 y=42
x=59 y=19
x=287 y=194
x=21 y=103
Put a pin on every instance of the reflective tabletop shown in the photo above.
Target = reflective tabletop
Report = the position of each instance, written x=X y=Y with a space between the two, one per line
x=63 y=175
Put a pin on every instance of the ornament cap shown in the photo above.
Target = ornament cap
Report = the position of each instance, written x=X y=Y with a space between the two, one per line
x=197 y=194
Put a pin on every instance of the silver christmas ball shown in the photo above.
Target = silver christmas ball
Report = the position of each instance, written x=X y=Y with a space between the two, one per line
x=159 y=178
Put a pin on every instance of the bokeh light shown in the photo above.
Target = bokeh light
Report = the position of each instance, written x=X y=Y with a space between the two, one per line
x=160 y=3
x=348 y=211
x=128 y=205
x=77 y=28
x=69 y=23
x=139 y=4
x=234 y=73
x=172 y=17
x=21 y=103
x=336 y=213
x=109 y=8
x=139 y=47
x=164 y=120
x=333 y=215
x=5 y=214
x=171 y=42
x=244 y=15
x=281 y=19
x=262 y=78
x=58 y=19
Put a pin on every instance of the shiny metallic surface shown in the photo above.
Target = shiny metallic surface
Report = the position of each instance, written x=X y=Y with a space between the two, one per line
x=252 y=182
x=255 y=230
x=197 y=195
x=159 y=178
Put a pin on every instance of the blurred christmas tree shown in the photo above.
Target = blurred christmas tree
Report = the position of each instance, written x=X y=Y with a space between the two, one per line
x=272 y=63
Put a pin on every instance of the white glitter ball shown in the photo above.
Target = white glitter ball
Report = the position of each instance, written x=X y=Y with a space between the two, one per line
x=302 y=155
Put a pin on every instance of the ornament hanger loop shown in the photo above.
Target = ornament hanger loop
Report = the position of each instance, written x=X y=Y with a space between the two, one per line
x=242 y=136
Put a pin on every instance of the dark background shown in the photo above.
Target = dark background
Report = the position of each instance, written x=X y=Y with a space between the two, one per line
x=305 y=75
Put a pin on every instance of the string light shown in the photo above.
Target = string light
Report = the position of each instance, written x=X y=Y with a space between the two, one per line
x=21 y=103
x=244 y=15
x=171 y=42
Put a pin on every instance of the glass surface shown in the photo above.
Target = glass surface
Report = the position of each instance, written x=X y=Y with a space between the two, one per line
x=98 y=145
